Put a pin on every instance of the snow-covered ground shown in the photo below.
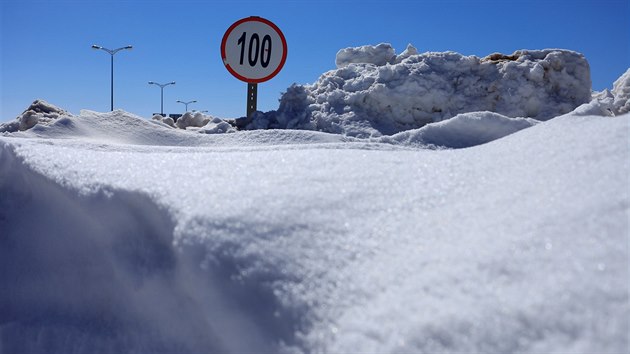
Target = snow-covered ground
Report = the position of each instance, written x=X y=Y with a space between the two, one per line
x=478 y=233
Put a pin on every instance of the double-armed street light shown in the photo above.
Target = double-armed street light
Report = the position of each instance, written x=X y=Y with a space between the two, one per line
x=186 y=103
x=111 y=53
x=162 y=86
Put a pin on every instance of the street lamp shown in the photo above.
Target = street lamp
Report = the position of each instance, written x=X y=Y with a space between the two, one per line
x=186 y=103
x=111 y=53
x=162 y=86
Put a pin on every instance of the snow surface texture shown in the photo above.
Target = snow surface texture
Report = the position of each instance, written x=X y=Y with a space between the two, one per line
x=374 y=92
x=119 y=234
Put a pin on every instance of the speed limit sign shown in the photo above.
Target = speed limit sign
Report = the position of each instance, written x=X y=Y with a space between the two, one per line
x=253 y=49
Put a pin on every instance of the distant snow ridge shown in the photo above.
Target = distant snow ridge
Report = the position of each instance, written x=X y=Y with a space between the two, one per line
x=374 y=92
x=39 y=111
x=197 y=121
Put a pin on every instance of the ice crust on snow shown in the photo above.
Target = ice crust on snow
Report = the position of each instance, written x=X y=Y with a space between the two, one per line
x=373 y=92
x=122 y=235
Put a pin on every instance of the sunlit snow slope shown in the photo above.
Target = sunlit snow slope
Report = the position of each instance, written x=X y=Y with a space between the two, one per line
x=121 y=235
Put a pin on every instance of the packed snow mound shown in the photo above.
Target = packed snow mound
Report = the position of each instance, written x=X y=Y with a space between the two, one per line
x=621 y=93
x=462 y=131
x=197 y=121
x=165 y=120
x=190 y=119
x=373 y=93
x=39 y=111
x=607 y=102
x=217 y=126
x=378 y=55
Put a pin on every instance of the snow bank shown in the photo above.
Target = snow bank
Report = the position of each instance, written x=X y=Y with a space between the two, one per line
x=198 y=122
x=462 y=131
x=190 y=119
x=607 y=102
x=374 y=92
x=194 y=120
x=264 y=241
x=621 y=93
x=217 y=126
x=124 y=128
x=120 y=127
x=164 y=120
x=380 y=54
x=39 y=111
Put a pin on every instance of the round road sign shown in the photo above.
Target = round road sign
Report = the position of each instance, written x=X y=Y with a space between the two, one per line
x=253 y=49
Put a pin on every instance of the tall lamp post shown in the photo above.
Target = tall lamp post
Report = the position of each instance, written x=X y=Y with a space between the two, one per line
x=162 y=86
x=111 y=53
x=186 y=103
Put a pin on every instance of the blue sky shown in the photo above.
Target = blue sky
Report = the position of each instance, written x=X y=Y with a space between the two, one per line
x=45 y=45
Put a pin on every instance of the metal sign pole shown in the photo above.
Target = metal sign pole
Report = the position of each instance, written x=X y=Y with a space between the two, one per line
x=252 y=96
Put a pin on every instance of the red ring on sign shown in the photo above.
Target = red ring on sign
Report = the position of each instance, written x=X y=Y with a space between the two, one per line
x=270 y=24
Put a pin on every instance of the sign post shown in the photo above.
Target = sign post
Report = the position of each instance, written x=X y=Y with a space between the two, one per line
x=252 y=97
x=253 y=50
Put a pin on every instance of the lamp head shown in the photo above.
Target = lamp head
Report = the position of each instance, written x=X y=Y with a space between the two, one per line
x=94 y=46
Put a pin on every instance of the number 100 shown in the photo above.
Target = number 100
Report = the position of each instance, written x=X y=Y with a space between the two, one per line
x=256 y=49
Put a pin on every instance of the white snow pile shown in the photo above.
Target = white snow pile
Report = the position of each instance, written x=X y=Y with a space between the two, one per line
x=193 y=120
x=375 y=92
x=613 y=102
x=463 y=130
x=166 y=120
x=39 y=111
x=621 y=94
x=121 y=235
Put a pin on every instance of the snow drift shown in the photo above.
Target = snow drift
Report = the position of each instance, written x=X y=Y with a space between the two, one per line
x=374 y=92
x=461 y=131
x=464 y=130
x=123 y=235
